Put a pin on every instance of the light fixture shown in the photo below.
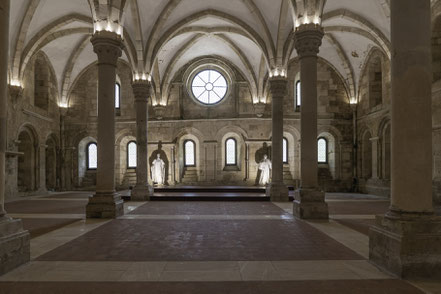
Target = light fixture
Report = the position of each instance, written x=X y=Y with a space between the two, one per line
x=278 y=72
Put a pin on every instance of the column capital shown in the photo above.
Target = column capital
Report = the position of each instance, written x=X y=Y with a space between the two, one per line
x=308 y=39
x=108 y=46
x=278 y=87
x=141 y=90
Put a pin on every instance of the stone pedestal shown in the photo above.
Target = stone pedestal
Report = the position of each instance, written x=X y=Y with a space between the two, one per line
x=106 y=203
x=277 y=190
x=14 y=241
x=409 y=246
x=141 y=192
x=14 y=244
x=310 y=204
x=309 y=201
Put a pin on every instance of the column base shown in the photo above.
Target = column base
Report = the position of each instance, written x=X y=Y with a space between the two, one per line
x=141 y=193
x=407 y=245
x=310 y=204
x=105 y=205
x=278 y=192
x=14 y=244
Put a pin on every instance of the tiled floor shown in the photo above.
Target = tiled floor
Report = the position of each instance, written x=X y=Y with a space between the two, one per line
x=200 y=247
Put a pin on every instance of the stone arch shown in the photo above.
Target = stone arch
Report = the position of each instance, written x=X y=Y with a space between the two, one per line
x=28 y=165
x=239 y=135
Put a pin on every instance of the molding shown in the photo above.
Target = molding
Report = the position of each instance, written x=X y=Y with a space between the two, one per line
x=39 y=116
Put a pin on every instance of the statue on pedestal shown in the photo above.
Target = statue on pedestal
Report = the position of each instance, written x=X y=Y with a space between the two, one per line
x=265 y=167
x=158 y=170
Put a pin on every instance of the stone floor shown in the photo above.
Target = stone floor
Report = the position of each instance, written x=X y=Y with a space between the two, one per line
x=201 y=247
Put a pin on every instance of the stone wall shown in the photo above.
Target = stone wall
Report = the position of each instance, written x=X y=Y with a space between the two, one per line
x=209 y=127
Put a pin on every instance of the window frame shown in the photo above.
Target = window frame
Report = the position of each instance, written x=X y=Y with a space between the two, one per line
x=87 y=156
x=298 y=91
x=326 y=150
x=119 y=95
x=235 y=152
x=287 y=151
x=185 y=153
x=128 y=154
x=222 y=74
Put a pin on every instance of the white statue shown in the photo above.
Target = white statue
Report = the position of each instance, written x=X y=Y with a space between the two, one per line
x=265 y=167
x=158 y=170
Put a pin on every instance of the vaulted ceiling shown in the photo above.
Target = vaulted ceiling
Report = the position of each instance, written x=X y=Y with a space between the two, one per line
x=161 y=36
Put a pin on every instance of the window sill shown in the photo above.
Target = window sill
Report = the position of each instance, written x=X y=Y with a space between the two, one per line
x=231 y=168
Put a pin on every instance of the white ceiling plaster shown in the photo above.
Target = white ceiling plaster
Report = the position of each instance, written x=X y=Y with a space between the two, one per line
x=59 y=52
x=86 y=57
x=50 y=10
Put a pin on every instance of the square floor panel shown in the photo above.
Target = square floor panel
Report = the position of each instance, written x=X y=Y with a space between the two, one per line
x=202 y=240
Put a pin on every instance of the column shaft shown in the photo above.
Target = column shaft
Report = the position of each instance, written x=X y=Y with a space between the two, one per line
x=277 y=140
x=308 y=123
x=375 y=161
x=142 y=191
x=14 y=241
x=309 y=201
x=106 y=128
x=106 y=203
x=4 y=49
x=411 y=124
x=406 y=241
x=277 y=189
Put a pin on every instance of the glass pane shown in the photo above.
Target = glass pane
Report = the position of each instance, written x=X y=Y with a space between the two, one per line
x=209 y=86
x=285 y=151
x=117 y=96
x=321 y=148
x=230 y=151
x=189 y=153
x=92 y=153
x=298 y=93
x=131 y=153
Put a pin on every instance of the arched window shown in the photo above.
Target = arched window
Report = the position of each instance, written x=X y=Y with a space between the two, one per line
x=285 y=150
x=131 y=154
x=298 y=94
x=92 y=156
x=117 y=96
x=189 y=153
x=230 y=151
x=322 y=150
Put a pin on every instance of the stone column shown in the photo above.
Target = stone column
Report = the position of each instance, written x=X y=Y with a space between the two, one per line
x=277 y=189
x=406 y=241
x=42 y=168
x=374 y=142
x=106 y=203
x=142 y=190
x=14 y=241
x=309 y=201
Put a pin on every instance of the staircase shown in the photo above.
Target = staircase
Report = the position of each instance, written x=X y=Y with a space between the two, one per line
x=89 y=180
x=129 y=179
x=190 y=175
x=287 y=176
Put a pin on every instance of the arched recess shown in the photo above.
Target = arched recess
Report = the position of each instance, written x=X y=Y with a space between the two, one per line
x=125 y=177
x=52 y=174
x=291 y=169
x=384 y=134
x=86 y=177
x=27 y=162
x=366 y=155
x=332 y=162
x=189 y=174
